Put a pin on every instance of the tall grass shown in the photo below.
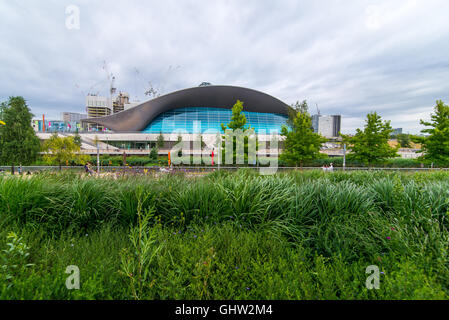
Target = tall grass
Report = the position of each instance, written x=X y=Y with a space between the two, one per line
x=292 y=235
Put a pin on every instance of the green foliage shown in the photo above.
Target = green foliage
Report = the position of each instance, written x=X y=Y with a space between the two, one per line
x=160 y=141
x=61 y=150
x=137 y=264
x=14 y=258
x=404 y=140
x=370 y=146
x=436 y=145
x=300 y=143
x=154 y=154
x=77 y=138
x=3 y=107
x=18 y=141
x=134 y=161
x=295 y=235
x=202 y=143
x=238 y=119
x=338 y=162
x=294 y=109
x=238 y=122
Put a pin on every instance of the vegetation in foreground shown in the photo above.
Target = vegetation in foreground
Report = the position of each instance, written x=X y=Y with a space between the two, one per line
x=298 y=235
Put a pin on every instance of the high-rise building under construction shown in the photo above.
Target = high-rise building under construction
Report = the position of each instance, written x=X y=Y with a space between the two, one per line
x=328 y=126
x=96 y=107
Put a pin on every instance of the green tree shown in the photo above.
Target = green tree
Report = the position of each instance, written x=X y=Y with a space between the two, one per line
x=160 y=141
x=77 y=138
x=435 y=146
x=18 y=141
x=238 y=121
x=404 y=140
x=3 y=107
x=371 y=146
x=62 y=149
x=203 y=144
x=294 y=109
x=154 y=153
x=300 y=143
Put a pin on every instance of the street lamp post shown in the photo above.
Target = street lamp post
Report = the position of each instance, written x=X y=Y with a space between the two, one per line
x=98 y=158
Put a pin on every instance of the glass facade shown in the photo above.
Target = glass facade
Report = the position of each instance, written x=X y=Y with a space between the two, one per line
x=211 y=118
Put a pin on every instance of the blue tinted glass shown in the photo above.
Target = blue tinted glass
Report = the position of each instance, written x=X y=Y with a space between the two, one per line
x=211 y=118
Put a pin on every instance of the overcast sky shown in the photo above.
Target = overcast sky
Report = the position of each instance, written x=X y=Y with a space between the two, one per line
x=349 y=57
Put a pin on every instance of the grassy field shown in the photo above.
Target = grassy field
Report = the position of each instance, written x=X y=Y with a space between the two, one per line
x=297 y=235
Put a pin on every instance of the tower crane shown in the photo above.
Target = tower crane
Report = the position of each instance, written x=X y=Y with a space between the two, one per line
x=111 y=80
x=149 y=90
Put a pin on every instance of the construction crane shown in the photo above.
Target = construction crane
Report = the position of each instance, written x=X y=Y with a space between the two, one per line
x=166 y=75
x=90 y=91
x=150 y=90
x=79 y=88
x=111 y=80
x=154 y=93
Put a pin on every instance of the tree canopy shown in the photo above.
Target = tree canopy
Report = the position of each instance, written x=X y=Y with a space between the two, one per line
x=238 y=119
x=293 y=110
x=60 y=150
x=371 y=146
x=238 y=122
x=160 y=141
x=436 y=146
x=77 y=138
x=3 y=107
x=18 y=141
x=154 y=153
x=301 y=142
x=404 y=140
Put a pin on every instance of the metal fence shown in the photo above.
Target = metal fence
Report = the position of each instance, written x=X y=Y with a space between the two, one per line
x=138 y=169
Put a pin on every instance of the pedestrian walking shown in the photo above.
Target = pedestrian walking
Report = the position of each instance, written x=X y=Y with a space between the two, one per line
x=87 y=168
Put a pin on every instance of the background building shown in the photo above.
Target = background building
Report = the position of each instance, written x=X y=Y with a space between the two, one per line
x=328 y=126
x=71 y=116
x=55 y=125
x=208 y=107
x=396 y=131
x=96 y=107
x=135 y=127
x=120 y=101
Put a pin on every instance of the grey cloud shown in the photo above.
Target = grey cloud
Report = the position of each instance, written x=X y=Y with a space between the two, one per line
x=349 y=57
